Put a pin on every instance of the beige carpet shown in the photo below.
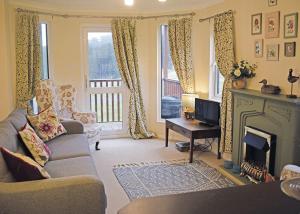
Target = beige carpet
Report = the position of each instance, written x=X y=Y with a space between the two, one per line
x=122 y=151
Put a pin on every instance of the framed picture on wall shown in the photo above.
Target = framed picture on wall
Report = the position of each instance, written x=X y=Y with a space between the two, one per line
x=291 y=25
x=256 y=24
x=273 y=52
x=272 y=24
x=258 y=48
x=290 y=49
x=272 y=3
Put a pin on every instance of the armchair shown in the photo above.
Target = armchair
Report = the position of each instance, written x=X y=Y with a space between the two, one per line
x=62 y=99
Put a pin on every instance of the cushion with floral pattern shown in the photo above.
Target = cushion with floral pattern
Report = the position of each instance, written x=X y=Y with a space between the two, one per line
x=23 y=168
x=47 y=124
x=39 y=151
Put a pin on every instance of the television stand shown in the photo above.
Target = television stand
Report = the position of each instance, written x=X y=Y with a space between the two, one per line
x=193 y=130
x=205 y=124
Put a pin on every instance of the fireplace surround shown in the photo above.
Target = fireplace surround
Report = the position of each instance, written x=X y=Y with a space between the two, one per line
x=274 y=114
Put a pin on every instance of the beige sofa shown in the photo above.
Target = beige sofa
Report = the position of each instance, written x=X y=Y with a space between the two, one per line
x=74 y=187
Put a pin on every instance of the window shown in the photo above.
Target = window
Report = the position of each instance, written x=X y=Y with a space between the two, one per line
x=216 y=78
x=170 y=89
x=44 y=51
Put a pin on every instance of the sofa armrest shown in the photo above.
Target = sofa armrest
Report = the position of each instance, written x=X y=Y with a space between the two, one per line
x=78 y=194
x=73 y=126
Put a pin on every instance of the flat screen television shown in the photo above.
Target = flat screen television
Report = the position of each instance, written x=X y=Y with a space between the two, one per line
x=207 y=112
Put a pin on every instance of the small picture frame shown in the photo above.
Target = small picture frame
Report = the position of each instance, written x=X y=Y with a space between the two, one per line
x=291 y=25
x=272 y=24
x=273 y=52
x=256 y=24
x=272 y=3
x=258 y=48
x=290 y=49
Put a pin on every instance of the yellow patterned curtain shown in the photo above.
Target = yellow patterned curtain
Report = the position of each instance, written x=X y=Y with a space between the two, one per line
x=124 y=39
x=180 y=36
x=28 y=55
x=224 y=51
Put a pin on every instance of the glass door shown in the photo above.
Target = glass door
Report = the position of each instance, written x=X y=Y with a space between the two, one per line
x=107 y=94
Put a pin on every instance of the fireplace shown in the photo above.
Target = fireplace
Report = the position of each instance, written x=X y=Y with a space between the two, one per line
x=258 y=154
x=274 y=114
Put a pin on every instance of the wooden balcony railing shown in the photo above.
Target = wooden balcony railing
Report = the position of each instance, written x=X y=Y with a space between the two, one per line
x=108 y=106
x=172 y=88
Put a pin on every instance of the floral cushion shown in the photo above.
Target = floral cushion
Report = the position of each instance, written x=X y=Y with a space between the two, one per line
x=85 y=118
x=23 y=168
x=39 y=151
x=47 y=125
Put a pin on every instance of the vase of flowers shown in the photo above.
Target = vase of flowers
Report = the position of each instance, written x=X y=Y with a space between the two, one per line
x=241 y=72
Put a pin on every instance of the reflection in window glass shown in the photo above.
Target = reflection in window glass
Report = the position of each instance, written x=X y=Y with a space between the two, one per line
x=101 y=56
x=44 y=51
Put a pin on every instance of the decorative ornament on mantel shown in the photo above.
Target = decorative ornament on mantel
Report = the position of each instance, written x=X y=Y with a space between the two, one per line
x=269 y=89
x=241 y=72
x=292 y=79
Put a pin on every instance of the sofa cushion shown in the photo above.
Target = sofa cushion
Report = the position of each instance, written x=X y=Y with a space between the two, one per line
x=8 y=139
x=69 y=146
x=18 y=119
x=35 y=145
x=22 y=167
x=71 y=167
x=47 y=124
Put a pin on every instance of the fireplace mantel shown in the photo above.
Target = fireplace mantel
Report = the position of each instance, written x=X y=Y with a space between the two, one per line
x=275 y=114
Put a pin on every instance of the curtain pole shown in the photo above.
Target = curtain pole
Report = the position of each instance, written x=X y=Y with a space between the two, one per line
x=104 y=17
x=211 y=17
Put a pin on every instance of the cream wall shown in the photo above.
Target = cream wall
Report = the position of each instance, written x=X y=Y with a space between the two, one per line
x=6 y=91
x=66 y=58
x=275 y=72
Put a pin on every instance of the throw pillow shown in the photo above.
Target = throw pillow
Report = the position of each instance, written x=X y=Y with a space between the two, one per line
x=47 y=125
x=23 y=168
x=35 y=145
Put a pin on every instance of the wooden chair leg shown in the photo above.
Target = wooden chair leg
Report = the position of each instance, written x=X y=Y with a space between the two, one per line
x=97 y=146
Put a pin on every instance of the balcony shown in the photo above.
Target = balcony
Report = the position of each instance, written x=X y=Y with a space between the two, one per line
x=109 y=106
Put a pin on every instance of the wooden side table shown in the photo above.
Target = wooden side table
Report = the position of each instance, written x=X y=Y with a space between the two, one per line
x=193 y=130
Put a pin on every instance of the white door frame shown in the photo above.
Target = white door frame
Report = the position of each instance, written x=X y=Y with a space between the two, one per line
x=85 y=29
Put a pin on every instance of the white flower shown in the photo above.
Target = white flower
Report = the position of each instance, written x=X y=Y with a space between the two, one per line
x=237 y=72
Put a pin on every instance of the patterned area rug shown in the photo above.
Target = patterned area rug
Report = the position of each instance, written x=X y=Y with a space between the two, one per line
x=166 y=178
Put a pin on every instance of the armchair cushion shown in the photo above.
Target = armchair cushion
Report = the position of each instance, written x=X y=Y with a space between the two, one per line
x=22 y=167
x=47 y=124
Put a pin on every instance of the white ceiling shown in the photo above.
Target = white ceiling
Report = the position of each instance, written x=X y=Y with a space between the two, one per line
x=115 y=6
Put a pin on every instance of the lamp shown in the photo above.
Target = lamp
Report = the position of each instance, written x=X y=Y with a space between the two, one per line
x=129 y=2
x=188 y=102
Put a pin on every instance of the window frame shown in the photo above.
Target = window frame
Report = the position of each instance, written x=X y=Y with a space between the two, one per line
x=85 y=29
